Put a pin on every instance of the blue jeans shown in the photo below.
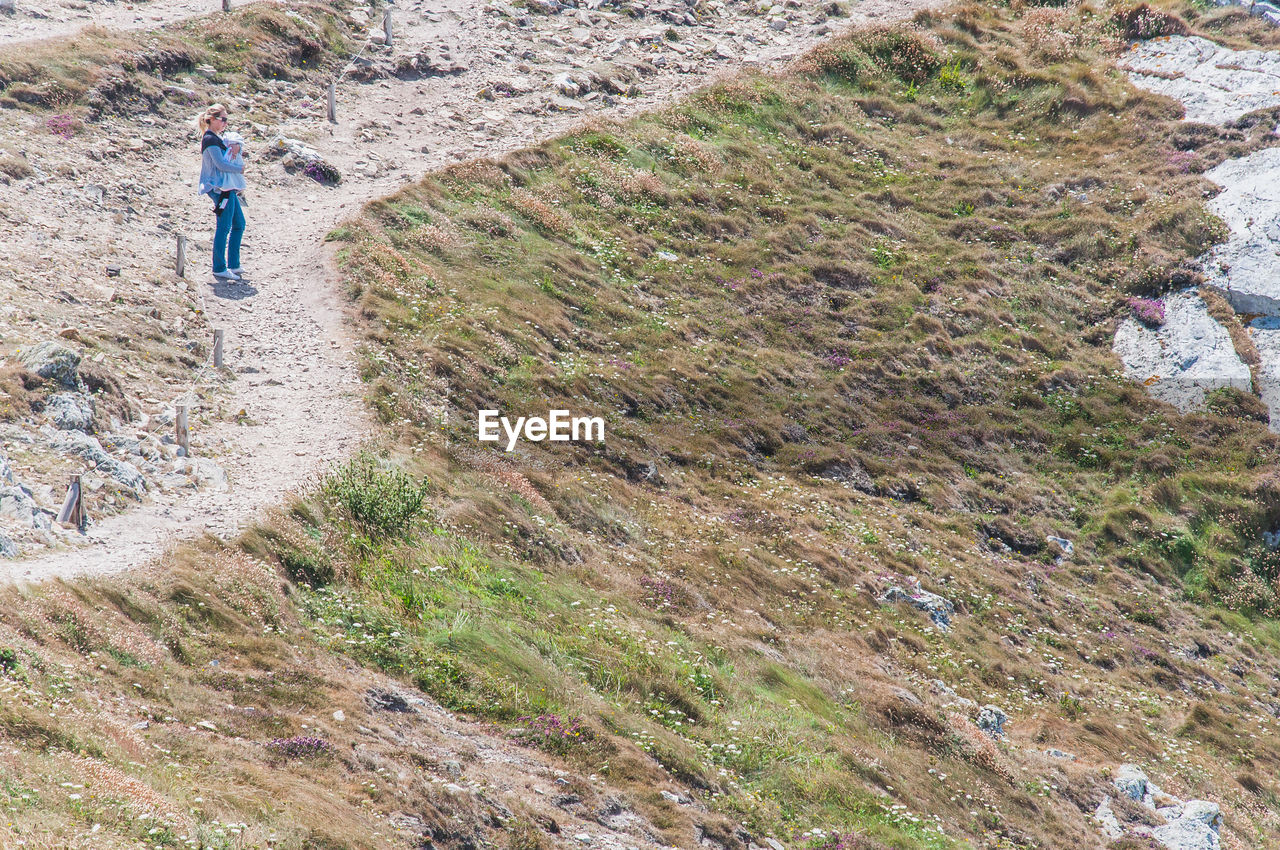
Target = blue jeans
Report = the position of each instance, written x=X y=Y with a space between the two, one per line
x=226 y=252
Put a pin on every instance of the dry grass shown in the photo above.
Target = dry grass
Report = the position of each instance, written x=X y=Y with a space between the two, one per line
x=881 y=351
x=98 y=71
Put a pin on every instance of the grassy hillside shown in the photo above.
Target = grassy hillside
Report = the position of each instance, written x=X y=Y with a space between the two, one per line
x=99 y=72
x=849 y=327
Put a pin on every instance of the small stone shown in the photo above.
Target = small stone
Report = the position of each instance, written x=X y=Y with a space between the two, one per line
x=564 y=104
x=339 y=715
x=991 y=719
x=906 y=696
x=205 y=724
x=939 y=609
x=1062 y=543
x=583 y=837
x=70 y=333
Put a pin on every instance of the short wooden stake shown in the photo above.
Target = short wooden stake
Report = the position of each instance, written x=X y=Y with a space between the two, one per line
x=180 y=433
x=72 y=507
x=226 y=5
x=386 y=25
x=218 y=335
x=333 y=103
x=180 y=261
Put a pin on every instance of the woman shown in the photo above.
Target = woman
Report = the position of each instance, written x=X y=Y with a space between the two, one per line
x=216 y=170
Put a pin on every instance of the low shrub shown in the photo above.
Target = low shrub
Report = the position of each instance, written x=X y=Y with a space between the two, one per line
x=299 y=747
x=1141 y=22
x=379 y=499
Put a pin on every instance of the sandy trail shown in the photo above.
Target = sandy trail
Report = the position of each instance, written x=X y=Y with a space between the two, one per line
x=286 y=339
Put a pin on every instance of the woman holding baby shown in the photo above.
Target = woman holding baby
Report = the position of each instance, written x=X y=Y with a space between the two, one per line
x=222 y=179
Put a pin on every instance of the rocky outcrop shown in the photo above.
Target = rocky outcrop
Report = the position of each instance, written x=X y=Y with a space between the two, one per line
x=53 y=361
x=939 y=609
x=1191 y=354
x=1215 y=84
x=991 y=719
x=70 y=411
x=1189 y=825
x=1193 y=825
x=90 y=450
x=1265 y=333
x=1244 y=266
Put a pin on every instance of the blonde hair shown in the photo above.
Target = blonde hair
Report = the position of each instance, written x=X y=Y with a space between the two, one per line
x=208 y=115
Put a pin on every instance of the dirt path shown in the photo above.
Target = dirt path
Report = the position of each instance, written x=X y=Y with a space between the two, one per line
x=41 y=19
x=295 y=374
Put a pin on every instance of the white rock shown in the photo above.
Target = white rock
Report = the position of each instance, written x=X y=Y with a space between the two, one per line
x=1107 y=819
x=1179 y=362
x=70 y=411
x=1266 y=338
x=1244 y=266
x=1214 y=83
x=991 y=719
x=1131 y=781
x=939 y=608
x=1195 y=829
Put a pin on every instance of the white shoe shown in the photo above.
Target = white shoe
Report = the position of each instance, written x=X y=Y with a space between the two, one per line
x=237 y=271
x=229 y=274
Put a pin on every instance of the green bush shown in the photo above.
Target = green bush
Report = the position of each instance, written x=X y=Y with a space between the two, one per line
x=950 y=78
x=900 y=52
x=380 y=499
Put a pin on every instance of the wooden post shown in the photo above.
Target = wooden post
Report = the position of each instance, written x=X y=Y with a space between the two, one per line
x=180 y=263
x=226 y=5
x=180 y=433
x=333 y=103
x=386 y=25
x=218 y=335
x=72 y=507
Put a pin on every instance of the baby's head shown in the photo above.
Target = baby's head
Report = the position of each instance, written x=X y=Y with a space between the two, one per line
x=233 y=139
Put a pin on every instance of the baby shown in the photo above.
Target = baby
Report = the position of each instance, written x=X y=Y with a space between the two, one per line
x=235 y=154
